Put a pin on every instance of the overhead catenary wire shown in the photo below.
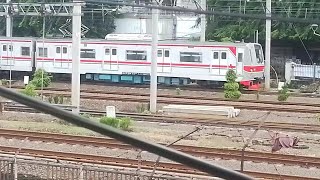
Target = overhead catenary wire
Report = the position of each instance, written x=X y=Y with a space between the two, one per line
x=216 y=13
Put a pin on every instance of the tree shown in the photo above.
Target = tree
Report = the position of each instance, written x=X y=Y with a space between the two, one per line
x=99 y=24
x=238 y=29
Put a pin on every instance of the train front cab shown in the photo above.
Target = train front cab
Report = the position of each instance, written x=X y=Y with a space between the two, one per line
x=253 y=68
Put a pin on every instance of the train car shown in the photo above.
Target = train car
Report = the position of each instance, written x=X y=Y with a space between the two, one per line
x=179 y=62
x=17 y=54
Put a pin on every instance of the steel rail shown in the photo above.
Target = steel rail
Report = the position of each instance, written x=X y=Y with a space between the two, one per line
x=129 y=163
x=185 y=88
x=252 y=106
x=169 y=153
x=182 y=97
x=304 y=161
x=212 y=121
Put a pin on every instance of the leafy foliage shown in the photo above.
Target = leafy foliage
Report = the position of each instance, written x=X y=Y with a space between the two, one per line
x=222 y=28
x=56 y=99
x=125 y=123
x=30 y=90
x=37 y=78
x=114 y=122
x=231 y=86
x=122 y=123
x=283 y=93
x=99 y=23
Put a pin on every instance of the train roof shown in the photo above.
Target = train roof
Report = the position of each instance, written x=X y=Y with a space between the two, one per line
x=87 y=40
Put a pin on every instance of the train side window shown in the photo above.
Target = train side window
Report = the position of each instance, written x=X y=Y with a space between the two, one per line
x=88 y=53
x=240 y=57
x=4 y=48
x=223 y=55
x=25 y=51
x=64 y=50
x=159 y=53
x=114 y=52
x=190 y=57
x=10 y=48
x=215 y=55
x=43 y=52
x=136 y=55
x=166 y=53
x=58 y=50
x=107 y=51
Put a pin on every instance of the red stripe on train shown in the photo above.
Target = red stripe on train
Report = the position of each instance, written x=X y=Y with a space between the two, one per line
x=253 y=68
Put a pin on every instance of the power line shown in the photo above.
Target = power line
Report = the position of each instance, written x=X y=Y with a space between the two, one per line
x=216 y=13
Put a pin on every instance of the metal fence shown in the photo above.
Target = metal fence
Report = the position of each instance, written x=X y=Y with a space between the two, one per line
x=30 y=168
x=301 y=71
x=306 y=71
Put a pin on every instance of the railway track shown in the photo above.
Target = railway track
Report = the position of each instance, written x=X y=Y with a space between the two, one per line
x=193 y=87
x=130 y=163
x=212 y=121
x=100 y=92
x=191 y=100
x=210 y=153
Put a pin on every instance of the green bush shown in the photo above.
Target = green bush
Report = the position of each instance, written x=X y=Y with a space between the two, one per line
x=50 y=99
x=122 y=123
x=61 y=98
x=37 y=78
x=56 y=99
x=125 y=123
x=114 y=122
x=283 y=94
x=232 y=94
x=30 y=90
x=231 y=86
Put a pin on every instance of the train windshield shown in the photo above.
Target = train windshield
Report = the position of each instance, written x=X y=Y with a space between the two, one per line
x=259 y=53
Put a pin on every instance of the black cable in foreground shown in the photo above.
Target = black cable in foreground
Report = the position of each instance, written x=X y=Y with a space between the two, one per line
x=174 y=155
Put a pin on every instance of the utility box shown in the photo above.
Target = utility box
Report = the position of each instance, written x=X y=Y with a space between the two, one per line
x=111 y=111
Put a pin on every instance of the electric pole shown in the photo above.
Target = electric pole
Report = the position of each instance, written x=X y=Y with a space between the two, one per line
x=203 y=21
x=268 y=46
x=8 y=22
x=153 y=74
x=76 y=42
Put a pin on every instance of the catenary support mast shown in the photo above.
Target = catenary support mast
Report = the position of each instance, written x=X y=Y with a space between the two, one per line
x=76 y=41
x=268 y=46
x=153 y=74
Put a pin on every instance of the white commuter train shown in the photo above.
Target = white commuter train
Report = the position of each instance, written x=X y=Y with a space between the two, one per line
x=179 y=62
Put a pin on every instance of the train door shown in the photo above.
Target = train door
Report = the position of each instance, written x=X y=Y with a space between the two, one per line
x=61 y=58
x=240 y=57
x=163 y=58
x=6 y=56
x=220 y=63
x=110 y=60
